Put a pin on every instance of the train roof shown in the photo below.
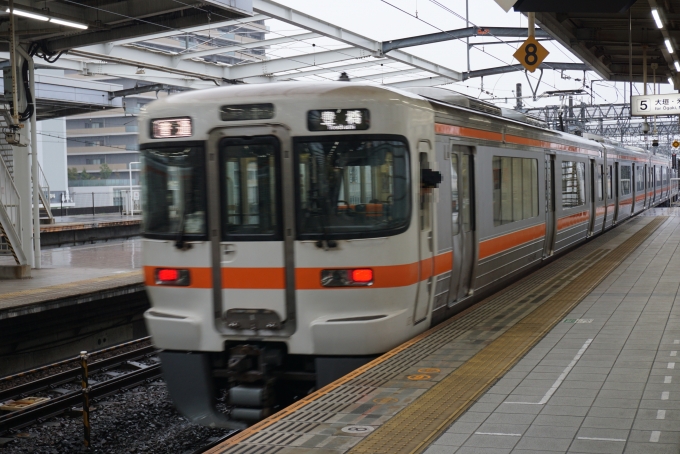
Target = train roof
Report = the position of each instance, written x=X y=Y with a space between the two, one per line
x=418 y=97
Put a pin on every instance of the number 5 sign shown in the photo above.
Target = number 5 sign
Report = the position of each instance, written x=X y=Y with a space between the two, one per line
x=531 y=54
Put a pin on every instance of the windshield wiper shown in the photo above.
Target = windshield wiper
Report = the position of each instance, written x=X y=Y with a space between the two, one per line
x=180 y=243
x=325 y=242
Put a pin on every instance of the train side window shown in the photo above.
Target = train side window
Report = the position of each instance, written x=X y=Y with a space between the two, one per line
x=600 y=182
x=454 y=194
x=657 y=175
x=639 y=179
x=609 y=182
x=650 y=178
x=573 y=184
x=515 y=189
x=625 y=180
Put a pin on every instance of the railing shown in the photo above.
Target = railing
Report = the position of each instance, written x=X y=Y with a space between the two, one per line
x=10 y=215
x=106 y=182
x=9 y=197
x=44 y=188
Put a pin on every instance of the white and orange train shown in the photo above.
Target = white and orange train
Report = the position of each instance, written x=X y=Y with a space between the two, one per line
x=292 y=231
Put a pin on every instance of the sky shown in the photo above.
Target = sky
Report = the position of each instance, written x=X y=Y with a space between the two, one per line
x=389 y=19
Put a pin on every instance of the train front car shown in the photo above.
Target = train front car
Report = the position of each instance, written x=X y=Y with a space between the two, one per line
x=284 y=237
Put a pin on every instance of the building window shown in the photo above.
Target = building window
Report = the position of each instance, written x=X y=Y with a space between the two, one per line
x=515 y=189
x=625 y=180
x=94 y=161
x=94 y=125
x=573 y=184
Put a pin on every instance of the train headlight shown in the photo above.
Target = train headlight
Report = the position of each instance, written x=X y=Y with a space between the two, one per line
x=360 y=277
x=172 y=276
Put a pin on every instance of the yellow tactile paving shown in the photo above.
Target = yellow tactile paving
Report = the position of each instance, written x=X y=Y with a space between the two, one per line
x=415 y=427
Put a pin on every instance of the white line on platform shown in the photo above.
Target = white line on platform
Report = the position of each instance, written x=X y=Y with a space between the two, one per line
x=668 y=379
x=661 y=414
x=674 y=353
x=497 y=433
x=671 y=365
x=560 y=379
x=654 y=438
x=676 y=341
x=665 y=395
x=601 y=439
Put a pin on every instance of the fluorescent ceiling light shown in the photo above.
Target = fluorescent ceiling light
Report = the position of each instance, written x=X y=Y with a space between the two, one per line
x=27 y=14
x=50 y=19
x=657 y=18
x=677 y=66
x=669 y=46
x=68 y=23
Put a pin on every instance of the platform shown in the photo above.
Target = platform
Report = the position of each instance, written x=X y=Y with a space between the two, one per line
x=71 y=274
x=74 y=230
x=576 y=357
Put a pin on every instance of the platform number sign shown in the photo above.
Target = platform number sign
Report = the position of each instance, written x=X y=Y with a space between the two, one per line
x=531 y=54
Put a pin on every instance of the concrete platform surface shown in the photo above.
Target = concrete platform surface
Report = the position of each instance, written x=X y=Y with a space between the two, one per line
x=74 y=270
x=606 y=379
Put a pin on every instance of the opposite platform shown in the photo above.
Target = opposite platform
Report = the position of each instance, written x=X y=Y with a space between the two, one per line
x=71 y=275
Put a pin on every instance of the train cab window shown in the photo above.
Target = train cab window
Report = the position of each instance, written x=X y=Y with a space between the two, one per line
x=250 y=195
x=599 y=183
x=352 y=186
x=573 y=184
x=610 y=187
x=454 y=194
x=639 y=179
x=625 y=180
x=173 y=182
x=515 y=189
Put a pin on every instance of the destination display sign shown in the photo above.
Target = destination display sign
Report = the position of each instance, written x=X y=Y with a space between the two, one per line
x=338 y=120
x=646 y=105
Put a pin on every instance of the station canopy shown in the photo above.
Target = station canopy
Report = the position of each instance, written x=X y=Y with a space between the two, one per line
x=606 y=41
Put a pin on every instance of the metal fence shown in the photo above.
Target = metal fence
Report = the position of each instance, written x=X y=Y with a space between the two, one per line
x=81 y=203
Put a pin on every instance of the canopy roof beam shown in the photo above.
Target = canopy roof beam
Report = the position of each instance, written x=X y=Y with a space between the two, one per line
x=506 y=32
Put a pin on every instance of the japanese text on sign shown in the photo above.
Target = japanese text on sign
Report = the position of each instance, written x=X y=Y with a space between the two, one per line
x=668 y=104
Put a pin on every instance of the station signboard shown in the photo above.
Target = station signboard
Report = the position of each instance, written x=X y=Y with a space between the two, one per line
x=654 y=105
x=531 y=54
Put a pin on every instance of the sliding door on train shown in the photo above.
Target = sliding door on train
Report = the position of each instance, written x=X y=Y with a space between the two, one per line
x=550 y=221
x=462 y=222
x=426 y=279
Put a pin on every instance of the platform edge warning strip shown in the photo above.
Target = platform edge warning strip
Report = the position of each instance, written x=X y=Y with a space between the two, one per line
x=415 y=427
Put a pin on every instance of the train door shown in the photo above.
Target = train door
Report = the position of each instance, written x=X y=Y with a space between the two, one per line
x=462 y=220
x=593 y=190
x=550 y=222
x=253 y=210
x=617 y=195
x=426 y=241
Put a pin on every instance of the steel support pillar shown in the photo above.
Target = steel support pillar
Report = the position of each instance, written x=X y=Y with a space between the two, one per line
x=22 y=181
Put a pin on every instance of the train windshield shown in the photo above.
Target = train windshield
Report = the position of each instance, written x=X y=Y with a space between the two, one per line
x=352 y=186
x=173 y=182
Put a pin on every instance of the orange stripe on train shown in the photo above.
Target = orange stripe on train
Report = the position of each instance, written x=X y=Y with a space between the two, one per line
x=574 y=219
x=502 y=243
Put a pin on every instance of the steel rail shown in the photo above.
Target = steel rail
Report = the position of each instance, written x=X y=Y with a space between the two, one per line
x=63 y=403
x=71 y=374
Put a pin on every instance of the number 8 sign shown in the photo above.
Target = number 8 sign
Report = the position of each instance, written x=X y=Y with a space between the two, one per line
x=531 y=54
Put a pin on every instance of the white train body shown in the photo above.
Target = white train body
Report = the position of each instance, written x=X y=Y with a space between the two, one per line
x=300 y=215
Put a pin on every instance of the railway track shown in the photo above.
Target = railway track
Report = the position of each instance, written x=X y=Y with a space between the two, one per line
x=108 y=376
